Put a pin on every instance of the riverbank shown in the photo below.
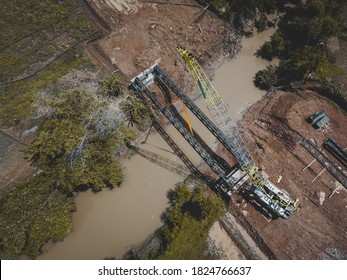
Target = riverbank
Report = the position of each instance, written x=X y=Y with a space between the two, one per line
x=153 y=40
x=134 y=210
x=107 y=223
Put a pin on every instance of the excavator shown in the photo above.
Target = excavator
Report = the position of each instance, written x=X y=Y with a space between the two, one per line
x=262 y=192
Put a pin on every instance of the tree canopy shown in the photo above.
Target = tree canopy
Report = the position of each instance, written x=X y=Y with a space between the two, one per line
x=111 y=86
x=74 y=150
x=31 y=213
x=266 y=78
x=137 y=111
x=190 y=217
x=300 y=41
x=77 y=140
x=238 y=11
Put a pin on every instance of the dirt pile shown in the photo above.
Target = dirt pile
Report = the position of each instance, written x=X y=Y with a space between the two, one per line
x=273 y=129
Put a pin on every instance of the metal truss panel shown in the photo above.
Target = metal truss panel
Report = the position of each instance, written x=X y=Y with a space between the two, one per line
x=323 y=160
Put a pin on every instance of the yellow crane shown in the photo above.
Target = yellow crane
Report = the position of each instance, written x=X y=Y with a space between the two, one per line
x=268 y=194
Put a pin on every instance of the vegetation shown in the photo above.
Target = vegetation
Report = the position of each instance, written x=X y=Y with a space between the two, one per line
x=74 y=150
x=17 y=99
x=334 y=93
x=80 y=124
x=22 y=18
x=137 y=111
x=79 y=130
x=32 y=213
x=37 y=46
x=300 y=41
x=79 y=134
x=190 y=217
x=76 y=141
x=267 y=78
x=237 y=12
x=111 y=86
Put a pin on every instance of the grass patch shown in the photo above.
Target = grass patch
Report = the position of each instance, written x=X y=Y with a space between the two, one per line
x=20 y=18
x=34 y=34
x=16 y=99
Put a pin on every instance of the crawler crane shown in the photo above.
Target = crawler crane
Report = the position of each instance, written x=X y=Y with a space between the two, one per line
x=264 y=192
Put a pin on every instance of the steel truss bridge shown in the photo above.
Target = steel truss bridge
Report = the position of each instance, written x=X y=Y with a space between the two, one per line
x=228 y=178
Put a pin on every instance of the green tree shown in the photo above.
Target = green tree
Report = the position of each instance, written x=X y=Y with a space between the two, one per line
x=112 y=86
x=137 y=111
x=267 y=78
x=75 y=144
x=238 y=11
x=309 y=61
x=300 y=42
x=314 y=8
x=31 y=213
x=261 y=23
x=277 y=47
x=191 y=216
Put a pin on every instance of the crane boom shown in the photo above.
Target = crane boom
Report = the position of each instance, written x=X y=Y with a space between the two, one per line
x=268 y=193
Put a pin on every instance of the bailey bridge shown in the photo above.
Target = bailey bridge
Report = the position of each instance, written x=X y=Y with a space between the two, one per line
x=228 y=178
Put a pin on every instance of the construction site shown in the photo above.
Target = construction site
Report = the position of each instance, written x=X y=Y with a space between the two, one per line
x=276 y=134
x=281 y=168
x=273 y=132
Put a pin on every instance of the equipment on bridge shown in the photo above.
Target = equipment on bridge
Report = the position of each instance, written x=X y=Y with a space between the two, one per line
x=185 y=113
x=229 y=178
x=267 y=194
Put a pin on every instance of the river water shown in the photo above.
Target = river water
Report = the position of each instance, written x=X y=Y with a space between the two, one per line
x=108 y=223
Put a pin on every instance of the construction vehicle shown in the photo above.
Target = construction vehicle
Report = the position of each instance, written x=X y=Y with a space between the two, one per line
x=264 y=192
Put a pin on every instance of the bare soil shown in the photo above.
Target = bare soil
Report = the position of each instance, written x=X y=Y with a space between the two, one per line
x=145 y=33
x=227 y=248
x=273 y=129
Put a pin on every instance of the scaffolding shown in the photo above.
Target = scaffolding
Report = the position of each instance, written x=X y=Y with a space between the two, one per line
x=228 y=178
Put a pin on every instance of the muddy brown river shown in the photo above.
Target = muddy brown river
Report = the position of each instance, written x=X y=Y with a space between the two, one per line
x=108 y=223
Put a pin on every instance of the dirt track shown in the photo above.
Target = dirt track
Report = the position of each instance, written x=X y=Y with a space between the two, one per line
x=273 y=129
